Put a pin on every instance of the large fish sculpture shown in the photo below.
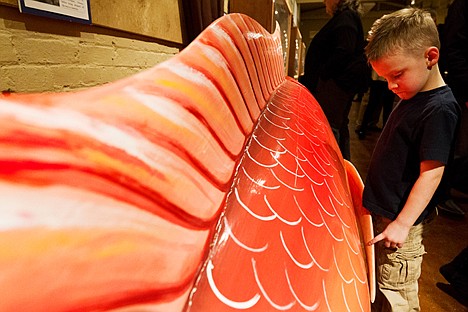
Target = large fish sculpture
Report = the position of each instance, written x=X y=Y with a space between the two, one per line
x=210 y=182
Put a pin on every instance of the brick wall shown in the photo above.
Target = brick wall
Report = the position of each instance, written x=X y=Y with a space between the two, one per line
x=39 y=54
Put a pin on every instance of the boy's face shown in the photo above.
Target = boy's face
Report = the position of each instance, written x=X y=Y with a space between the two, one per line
x=406 y=73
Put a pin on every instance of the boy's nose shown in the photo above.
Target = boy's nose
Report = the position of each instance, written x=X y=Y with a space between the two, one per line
x=392 y=85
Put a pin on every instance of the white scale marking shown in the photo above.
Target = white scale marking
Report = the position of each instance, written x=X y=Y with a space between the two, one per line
x=239 y=243
x=300 y=209
x=338 y=268
x=337 y=214
x=240 y=305
x=309 y=177
x=301 y=265
x=362 y=281
x=289 y=152
x=295 y=131
x=277 y=115
x=283 y=108
x=320 y=165
x=308 y=133
x=356 y=252
x=346 y=193
x=358 y=297
x=284 y=167
x=269 y=134
x=300 y=153
x=322 y=173
x=262 y=218
x=265 y=295
x=285 y=184
x=259 y=163
x=309 y=151
x=292 y=223
x=302 y=304
x=344 y=297
x=275 y=187
x=325 y=295
x=340 y=201
x=300 y=134
x=319 y=202
x=310 y=253
x=329 y=230
x=274 y=124
x=267 y=148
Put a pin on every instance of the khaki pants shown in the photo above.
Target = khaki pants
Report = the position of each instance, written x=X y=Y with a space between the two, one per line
x=398 y=270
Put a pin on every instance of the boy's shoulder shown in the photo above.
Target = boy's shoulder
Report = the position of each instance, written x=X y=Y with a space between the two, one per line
x=441 y=92
x=439 y=99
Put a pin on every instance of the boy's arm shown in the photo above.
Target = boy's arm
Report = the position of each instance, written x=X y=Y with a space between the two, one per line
x=395 y=234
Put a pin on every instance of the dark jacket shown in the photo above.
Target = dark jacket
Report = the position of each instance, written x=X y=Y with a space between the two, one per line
x=337 y=52
x=454 y=49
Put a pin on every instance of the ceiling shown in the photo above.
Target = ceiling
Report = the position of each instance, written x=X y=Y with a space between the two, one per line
x=374 y=8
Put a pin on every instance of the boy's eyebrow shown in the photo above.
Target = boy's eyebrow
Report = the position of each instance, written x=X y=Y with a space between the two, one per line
x=395 y=71
x=390 y=73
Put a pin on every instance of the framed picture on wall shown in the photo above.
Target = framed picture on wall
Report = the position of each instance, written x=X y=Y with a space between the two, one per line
x=70 y=10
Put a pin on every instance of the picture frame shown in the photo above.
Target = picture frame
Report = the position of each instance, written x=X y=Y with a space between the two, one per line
x=70 y=10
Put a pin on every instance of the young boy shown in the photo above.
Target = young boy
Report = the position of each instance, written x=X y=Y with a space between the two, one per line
x=403 y=181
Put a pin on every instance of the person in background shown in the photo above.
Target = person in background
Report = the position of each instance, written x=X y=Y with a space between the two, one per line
x=406 y=173
x=456 y=273
x=380 y=98
x=335 y=67
x=454 y=54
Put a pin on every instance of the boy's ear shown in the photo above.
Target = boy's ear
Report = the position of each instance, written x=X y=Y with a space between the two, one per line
x=432 y=56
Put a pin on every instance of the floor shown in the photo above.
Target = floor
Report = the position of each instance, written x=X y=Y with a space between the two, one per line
x=447 y=237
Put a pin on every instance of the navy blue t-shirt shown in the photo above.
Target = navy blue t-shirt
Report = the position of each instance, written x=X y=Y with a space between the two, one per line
x=418 y=129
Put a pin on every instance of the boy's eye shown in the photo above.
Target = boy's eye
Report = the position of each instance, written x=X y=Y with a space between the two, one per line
x=397 y=75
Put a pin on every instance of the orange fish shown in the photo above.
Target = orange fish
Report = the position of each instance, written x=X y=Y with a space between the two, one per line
x=210 y=182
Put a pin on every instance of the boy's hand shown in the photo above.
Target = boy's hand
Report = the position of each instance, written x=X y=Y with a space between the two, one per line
x=393 y=236
x=396 y=232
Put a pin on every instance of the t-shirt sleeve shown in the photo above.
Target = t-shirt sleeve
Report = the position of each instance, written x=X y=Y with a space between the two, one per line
x=438 y=134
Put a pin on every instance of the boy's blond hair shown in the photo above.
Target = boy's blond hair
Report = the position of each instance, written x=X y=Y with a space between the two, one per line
x=411 y=30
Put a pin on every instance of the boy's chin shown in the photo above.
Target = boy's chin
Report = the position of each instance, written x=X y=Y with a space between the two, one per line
x=405 y=95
